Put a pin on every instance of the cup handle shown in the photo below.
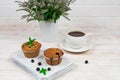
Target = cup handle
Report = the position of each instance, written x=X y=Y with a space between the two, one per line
x=89 y=37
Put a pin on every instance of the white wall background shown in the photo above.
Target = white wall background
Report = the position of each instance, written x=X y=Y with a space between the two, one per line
x=84 y=12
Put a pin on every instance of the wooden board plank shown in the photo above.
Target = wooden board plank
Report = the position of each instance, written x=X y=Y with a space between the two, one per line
x=7 y=11
x=78 y=2
x=93 y=21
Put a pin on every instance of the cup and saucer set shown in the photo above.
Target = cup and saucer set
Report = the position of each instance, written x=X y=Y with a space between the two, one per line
x=77 y=41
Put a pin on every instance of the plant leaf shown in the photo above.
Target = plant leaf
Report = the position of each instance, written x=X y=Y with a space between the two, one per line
x=45 y=10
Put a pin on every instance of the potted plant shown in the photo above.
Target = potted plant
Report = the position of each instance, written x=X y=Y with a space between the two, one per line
x=47 y=12
x=31 y=48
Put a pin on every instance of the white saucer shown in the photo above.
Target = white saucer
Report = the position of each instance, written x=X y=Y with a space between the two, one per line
x=66 y=47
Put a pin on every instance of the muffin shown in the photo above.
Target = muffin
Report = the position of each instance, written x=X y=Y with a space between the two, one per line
x=53 y=56
x=31 y=48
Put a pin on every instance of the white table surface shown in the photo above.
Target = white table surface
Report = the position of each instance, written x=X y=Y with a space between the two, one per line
x=104 y=57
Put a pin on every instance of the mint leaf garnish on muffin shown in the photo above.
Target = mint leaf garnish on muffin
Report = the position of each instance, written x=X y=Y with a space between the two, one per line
x=43 y=70
x=30 y=42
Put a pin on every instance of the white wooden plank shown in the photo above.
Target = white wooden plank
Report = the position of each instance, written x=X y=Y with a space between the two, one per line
x=95 y=11
x=78 y=2
x=97 y=2
x=96 y=20
x=10 y=11
x=11 y=21
x=9 y=2
x=74 y=20
x=76 y=11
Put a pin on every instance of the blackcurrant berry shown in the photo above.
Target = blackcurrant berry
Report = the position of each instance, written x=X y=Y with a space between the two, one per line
x=86 y=61
x=32 y=61
x=49 y=68
x=39 y=63
x=38 y=69
x=57 y=53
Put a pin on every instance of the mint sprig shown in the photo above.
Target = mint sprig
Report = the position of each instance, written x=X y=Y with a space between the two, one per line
x=30 y=42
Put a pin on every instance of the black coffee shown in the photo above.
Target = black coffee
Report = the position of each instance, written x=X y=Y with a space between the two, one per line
x=76 y=33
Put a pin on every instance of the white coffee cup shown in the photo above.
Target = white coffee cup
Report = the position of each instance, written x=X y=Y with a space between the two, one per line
x=78 y=39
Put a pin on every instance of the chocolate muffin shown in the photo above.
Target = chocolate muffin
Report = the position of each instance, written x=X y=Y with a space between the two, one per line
x=53 y=56
x=31 y=50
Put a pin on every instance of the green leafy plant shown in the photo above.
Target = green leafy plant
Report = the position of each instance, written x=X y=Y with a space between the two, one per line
x=30 y=42
x=45 y=10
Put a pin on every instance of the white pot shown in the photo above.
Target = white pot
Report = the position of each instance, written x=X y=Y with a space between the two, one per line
x=48 y=32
